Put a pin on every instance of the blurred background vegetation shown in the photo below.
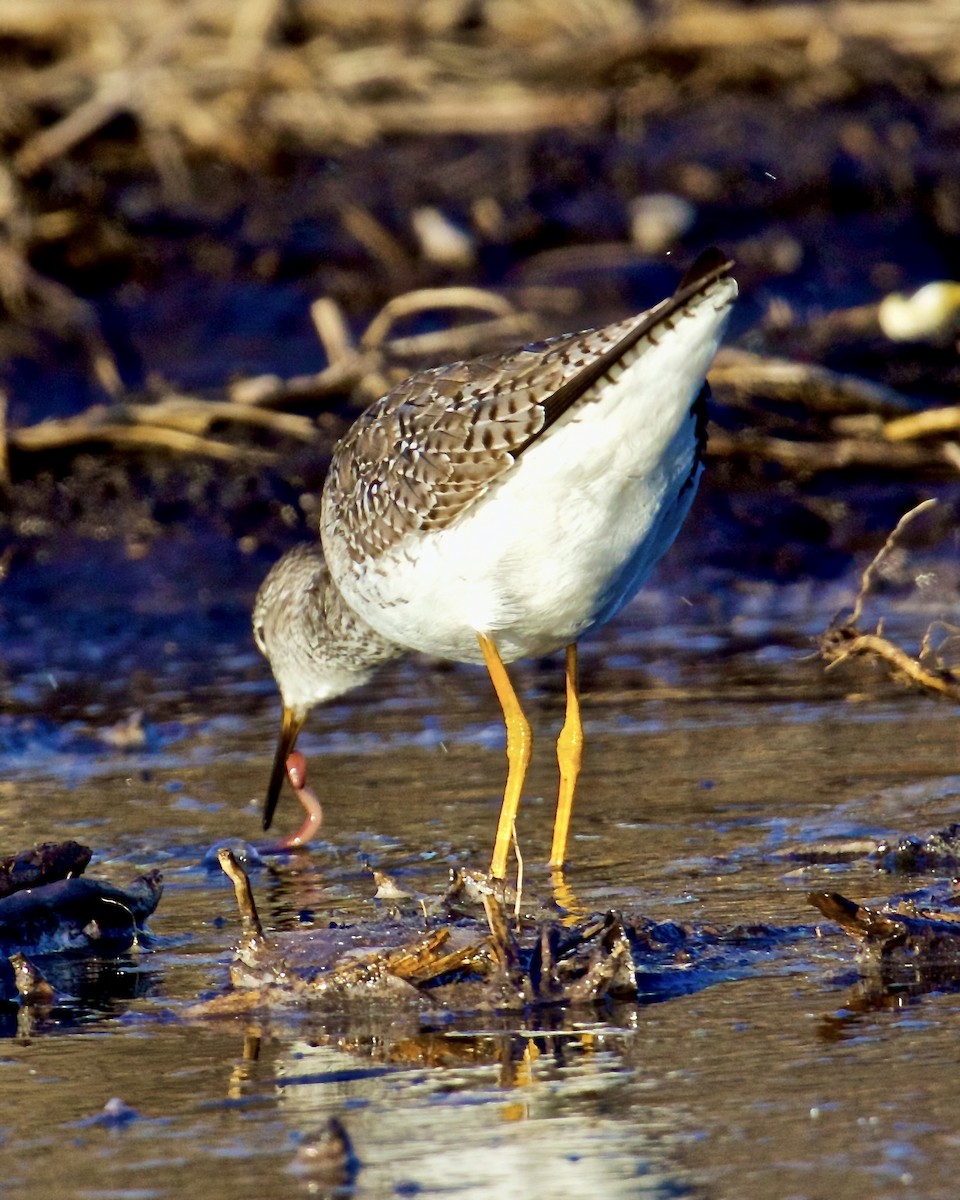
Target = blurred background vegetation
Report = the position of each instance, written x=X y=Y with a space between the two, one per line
x=205 y=203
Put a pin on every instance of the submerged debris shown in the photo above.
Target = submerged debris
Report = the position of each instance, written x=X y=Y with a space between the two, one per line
x=454 y=962
x=939 y=851
x=77 y=915
x=898 y=942
x=45 y=863
x=320 y=963
x=31 y=986
x=845 y=639
x=910 y=854
x=326 y=1161
x=45 y=910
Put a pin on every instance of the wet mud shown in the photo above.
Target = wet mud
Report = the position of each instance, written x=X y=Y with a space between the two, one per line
x=687 y=824
x=677 y=1019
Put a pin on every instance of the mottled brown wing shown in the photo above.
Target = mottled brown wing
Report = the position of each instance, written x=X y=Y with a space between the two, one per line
x=431 y=447
x=434 y=445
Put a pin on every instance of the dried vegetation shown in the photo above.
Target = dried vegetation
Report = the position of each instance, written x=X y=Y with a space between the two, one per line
x=928 y=669
x=421 y=141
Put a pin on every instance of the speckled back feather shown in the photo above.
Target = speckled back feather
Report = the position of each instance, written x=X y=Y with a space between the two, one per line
x=417 y=458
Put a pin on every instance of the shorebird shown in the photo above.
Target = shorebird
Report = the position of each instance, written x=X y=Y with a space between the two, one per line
x=500 y=508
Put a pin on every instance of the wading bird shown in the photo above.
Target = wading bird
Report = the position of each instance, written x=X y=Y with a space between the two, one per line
x=500 y=508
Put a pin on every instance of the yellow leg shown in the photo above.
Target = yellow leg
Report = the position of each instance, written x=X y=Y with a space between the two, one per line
x=519 y=749
x=570 y=757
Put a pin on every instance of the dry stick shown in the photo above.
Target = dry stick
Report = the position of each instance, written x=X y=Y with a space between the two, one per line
x=339 y=378
x=116 y=92
x=352 y=371
x=178 y=422
x=60 y=434
x=501 y=107
x=376 y=239
x=462 y=339
x=841 y=641
x=332 y=330
x=191 y=415
x=112 y=96
x=424 y=299
x=931 y=422
x=741 y=376
x=21 y=286
x=914 y=27
x=449 y=93
x=251 y=26
x=899 y=662
x=163 y=150
x=870 y=573
x=810 y=458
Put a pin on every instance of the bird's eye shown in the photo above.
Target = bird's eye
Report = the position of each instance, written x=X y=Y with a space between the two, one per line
x=258 y=638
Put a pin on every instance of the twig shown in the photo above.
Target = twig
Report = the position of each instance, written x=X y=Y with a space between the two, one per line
x=740 y=377
x=870 y=573
x=812 y=458
x=843 y=639
x=352 y=371
x=900 y=663
x=516 y=850
x=332 y=330
x=462 y=340
x=117 y=90
x=251 y=26
x=425 y=299
x=932 y=422
x=60 y=434
x=376 y=239
x=338 y=379
x=32 y=296
x=195 y=416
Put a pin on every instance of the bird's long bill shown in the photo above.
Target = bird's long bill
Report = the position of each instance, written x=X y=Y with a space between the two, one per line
x=290 y=725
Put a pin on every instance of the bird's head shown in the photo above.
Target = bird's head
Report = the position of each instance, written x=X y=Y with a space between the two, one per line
x=316 y=645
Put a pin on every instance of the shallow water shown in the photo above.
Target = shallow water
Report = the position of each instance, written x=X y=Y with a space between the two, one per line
x=712 y=747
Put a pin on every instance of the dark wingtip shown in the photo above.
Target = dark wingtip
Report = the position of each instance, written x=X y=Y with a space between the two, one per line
x=712 y=262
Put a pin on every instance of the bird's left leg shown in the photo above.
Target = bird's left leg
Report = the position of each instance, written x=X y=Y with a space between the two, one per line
x=569 y=757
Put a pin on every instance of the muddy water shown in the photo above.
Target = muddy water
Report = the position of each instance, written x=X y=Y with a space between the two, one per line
x=713 y=746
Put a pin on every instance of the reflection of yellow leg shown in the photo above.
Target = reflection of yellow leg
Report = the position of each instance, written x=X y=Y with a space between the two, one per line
x=518 y=1075
x=519 y=749
x=569 y=756
x=241 y=1074
x=565 y=899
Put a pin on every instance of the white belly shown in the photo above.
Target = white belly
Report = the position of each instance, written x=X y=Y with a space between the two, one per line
x=531 y=568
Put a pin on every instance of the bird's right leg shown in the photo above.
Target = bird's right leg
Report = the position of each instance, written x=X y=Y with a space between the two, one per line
x=519 y=750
